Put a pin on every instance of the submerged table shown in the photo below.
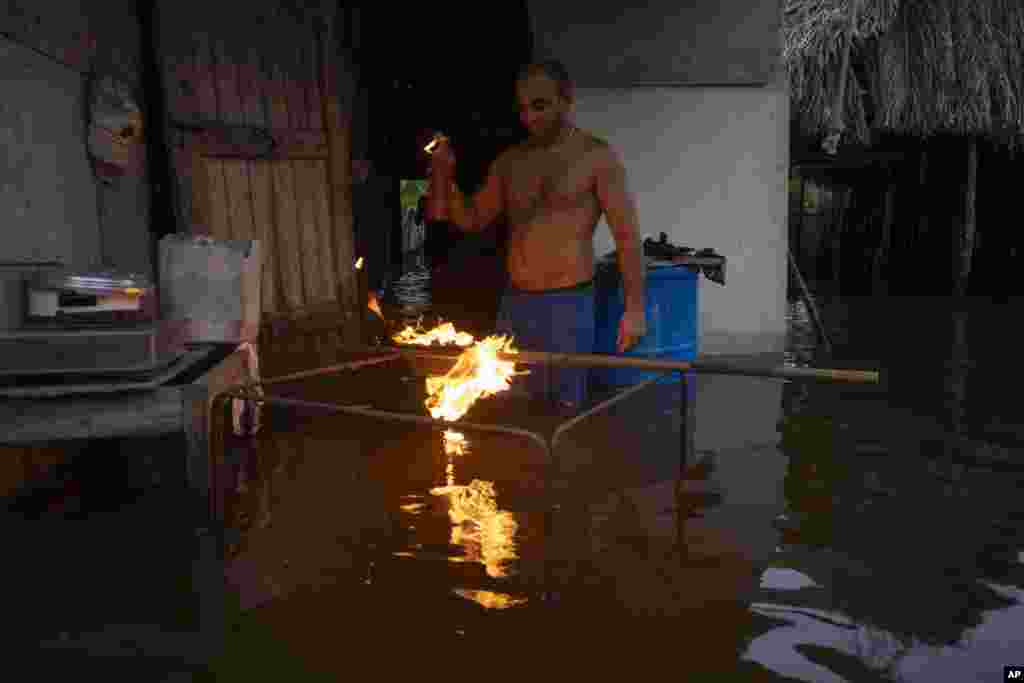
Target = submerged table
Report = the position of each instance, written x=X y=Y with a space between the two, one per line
x=175 y=401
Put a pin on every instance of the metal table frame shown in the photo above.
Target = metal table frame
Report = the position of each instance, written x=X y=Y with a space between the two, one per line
x=252 y=391
x=221 y=419
x=548 y=443
x=220 y=406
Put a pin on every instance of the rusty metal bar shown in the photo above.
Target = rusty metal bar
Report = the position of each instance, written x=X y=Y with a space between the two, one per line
x=437 y=425
x=220 y=403
x=327 y=370
x=607 y=403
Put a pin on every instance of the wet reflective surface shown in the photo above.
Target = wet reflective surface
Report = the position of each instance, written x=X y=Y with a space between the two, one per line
x=876 y=535
x=824 y=532
x=902 y=508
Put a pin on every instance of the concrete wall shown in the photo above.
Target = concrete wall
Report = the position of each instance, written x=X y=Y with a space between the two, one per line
x=708 y=167
x=708 y=155
x=47 y=197
x=661 y=42
x=50 y=205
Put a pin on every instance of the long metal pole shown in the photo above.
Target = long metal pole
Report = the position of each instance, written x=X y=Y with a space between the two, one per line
x=666 y=365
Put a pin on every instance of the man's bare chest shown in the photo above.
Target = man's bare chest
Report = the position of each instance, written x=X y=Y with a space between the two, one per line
x=548 y=182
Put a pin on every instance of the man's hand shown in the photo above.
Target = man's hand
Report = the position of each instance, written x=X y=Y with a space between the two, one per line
x=442 y=166
x=632 y=328
x=443 y=158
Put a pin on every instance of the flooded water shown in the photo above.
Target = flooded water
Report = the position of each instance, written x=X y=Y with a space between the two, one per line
x=895 y=545
x=903 y=513
x=877 y=535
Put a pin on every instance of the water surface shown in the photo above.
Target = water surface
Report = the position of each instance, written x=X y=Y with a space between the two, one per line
x=877 y=535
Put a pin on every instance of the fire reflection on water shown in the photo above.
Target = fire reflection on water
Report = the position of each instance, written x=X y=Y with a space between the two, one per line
x=490 y=599
x=486 y=533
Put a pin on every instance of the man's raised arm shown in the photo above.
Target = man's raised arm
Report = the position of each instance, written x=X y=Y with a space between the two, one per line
x=471 y=213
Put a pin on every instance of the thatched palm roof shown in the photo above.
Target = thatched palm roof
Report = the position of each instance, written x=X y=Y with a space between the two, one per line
x=918 y=67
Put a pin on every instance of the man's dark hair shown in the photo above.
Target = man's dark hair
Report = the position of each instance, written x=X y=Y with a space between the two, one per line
x=553 y=69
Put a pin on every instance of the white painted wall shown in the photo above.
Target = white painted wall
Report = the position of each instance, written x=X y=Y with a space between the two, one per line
x=708 y=166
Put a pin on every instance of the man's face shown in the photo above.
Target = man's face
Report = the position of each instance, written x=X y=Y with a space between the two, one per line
x=542 y=110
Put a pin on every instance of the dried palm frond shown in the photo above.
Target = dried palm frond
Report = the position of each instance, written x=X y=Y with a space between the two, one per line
x=925 y=66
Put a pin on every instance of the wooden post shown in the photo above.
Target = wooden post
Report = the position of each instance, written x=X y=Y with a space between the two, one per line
x=880 y=285
x=843 y=210
x=826 y=225
x=338 y=88
x=955 y=384
x=968 y=235
x=798 y=240
x=686 y=455
x=921 y=228
x=805 y=293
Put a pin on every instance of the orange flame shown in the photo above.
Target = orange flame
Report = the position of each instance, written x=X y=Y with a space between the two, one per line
x=374 y=305
x=444 y=334
x=359 y=263
x=489 y=599
x=478 y=373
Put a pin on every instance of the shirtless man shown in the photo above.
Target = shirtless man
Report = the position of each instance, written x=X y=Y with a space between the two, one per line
x=553 y=189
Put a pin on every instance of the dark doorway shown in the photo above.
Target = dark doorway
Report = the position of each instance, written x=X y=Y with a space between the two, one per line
x=421 y=70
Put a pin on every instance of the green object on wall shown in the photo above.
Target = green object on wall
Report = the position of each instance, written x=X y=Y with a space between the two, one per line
x=411 y=191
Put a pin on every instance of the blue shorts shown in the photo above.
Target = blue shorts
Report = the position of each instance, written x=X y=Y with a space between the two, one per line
x=558 y=321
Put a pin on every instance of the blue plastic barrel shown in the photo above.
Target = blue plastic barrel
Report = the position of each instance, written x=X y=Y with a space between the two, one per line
x=671 y=322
